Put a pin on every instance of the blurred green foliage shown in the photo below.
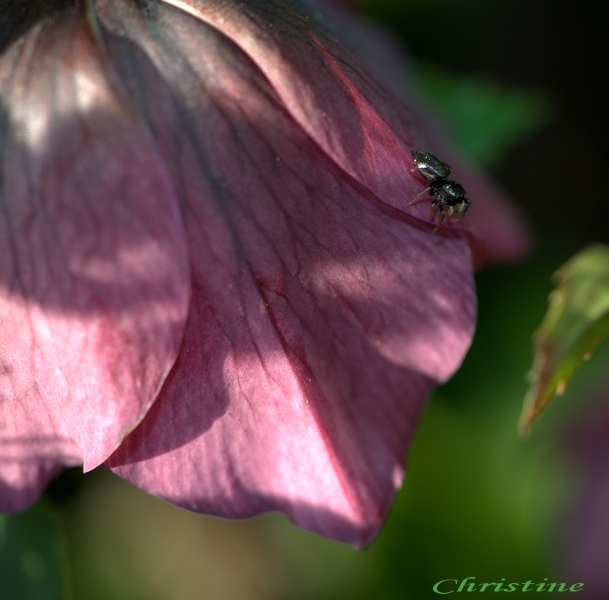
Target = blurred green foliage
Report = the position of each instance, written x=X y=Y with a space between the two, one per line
x=33 y=556
x=486 y=118
x=576 y=322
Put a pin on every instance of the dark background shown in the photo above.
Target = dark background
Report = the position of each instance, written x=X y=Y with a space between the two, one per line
x=558 y=46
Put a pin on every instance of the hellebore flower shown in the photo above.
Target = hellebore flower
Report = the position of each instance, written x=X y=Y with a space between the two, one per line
x=212 y=280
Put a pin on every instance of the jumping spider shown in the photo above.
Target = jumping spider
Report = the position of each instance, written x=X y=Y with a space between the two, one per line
x=447 y=193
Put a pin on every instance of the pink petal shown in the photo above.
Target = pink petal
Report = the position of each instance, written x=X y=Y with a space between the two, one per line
x=497 y=230
x=320 y=316
x=360 y=126
x=92 y=256
x=358 y=123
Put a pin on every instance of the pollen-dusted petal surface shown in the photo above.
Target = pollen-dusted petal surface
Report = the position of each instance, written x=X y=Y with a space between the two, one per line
x=94 y=285
x=321 y=316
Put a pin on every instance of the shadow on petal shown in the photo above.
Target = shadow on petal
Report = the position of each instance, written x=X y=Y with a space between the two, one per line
x=318 y=322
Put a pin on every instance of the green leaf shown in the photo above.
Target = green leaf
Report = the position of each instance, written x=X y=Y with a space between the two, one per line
x=487 y=118
x=575 y=324
x=33 y=561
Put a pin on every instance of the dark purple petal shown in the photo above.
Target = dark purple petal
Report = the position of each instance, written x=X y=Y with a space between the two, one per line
x=585 y=550
x=357 y=123
x=93 y=261
x=321 y=316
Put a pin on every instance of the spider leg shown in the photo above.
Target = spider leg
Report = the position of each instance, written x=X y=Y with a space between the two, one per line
x=418 y=196
x=465 y=204
x=442 y=215
x=435 y=202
